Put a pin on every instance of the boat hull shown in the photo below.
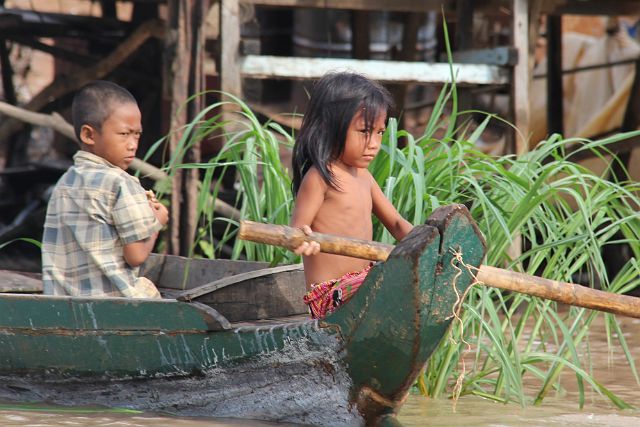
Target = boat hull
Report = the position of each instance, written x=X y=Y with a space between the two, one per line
x=276 y=373
x=354 y=367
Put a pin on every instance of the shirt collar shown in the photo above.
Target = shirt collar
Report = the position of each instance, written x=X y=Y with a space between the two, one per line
x=86 y=158
x=82 y=156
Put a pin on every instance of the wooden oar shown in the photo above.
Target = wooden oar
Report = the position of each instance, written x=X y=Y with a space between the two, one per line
x=563 y=292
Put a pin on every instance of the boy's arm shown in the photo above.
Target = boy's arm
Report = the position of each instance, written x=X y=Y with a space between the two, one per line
x=136 y=253
x=308 y=201
x=388 y=214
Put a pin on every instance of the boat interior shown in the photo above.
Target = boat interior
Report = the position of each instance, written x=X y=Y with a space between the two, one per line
x=243 y=292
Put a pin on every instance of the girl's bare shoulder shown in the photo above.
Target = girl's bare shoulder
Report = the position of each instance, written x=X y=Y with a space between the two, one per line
x=313 y=179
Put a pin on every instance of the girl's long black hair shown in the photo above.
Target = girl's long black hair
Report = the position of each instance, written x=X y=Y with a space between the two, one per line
x=335 y=100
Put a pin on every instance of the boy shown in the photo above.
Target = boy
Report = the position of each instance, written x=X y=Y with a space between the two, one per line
x=100 y=226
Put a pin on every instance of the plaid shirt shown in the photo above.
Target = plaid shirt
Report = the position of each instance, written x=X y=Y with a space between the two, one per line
x=95 y=209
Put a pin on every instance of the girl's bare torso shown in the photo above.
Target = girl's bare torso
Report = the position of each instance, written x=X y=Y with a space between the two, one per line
x=344 y=212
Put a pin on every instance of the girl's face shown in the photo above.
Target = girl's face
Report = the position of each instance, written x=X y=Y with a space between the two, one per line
x=362 y=145
x=117 y=140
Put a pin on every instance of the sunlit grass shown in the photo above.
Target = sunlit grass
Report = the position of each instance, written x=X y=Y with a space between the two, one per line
x=566 y=215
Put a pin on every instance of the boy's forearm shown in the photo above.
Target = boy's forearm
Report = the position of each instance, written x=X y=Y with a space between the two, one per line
x=137 y=253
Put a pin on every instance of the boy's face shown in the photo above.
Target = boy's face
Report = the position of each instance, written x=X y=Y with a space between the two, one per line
x=117 y=140
x=362 y=144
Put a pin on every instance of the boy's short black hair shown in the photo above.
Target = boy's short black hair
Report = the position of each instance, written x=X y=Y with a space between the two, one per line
x=94 y=103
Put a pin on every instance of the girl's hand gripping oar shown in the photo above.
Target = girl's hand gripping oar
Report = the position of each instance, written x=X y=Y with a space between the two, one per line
x=563 y=292
x=291 y=238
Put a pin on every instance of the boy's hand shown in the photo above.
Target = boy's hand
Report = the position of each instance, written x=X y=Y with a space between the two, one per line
x=307 y=248
x=159 y=210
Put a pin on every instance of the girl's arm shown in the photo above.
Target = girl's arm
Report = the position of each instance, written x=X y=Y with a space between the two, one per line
x=387 y=213
x=308 y=201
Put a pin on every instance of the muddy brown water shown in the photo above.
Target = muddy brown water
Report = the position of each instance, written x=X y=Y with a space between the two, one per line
x=610 y=368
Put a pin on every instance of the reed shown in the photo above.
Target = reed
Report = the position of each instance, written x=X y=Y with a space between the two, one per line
x=566 y=215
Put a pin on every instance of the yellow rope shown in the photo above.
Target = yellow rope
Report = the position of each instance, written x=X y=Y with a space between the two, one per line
x=457 y=306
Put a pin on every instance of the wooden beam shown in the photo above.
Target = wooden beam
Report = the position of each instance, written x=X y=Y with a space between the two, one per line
x=501 y=55
x=30 y=23
x=70 y=83
x=590 y=7
x=256 y=66
x=390 y=5
x=74 y=57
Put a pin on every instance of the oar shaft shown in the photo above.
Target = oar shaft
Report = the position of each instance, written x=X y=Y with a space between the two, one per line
x=291 y=238
x=563 y=292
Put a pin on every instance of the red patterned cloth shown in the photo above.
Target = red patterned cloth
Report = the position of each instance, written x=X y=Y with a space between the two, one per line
x=325 y=297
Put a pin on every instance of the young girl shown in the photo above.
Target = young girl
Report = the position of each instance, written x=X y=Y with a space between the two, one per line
x=334 y=192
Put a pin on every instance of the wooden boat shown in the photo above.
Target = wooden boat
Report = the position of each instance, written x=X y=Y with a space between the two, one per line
x=232 y=339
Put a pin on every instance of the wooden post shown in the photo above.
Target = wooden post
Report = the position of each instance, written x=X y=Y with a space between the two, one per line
x=410 y=25
x=521 y=85
x=7 y=74
x=184 y=47
x=108 y=9
x=555 y=112
x=360 y=43
x=464 y=41
x=230 y=77
x=175 y=83
x=196 y=84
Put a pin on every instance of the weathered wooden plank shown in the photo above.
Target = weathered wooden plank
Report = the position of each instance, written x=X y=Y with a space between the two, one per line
x=502 y=55
x=58 y=315
x=590 y=7
x=263 y=297
x=17 y=281
x=391 y=5
x=172 y=271
x=223 y=282
x=257 y=66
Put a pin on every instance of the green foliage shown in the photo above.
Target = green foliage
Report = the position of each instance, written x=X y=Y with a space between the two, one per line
x=252 y=149
x=21 y=239
x=566 y=215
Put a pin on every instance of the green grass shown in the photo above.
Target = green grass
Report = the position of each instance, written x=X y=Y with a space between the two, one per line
x=566 y=215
